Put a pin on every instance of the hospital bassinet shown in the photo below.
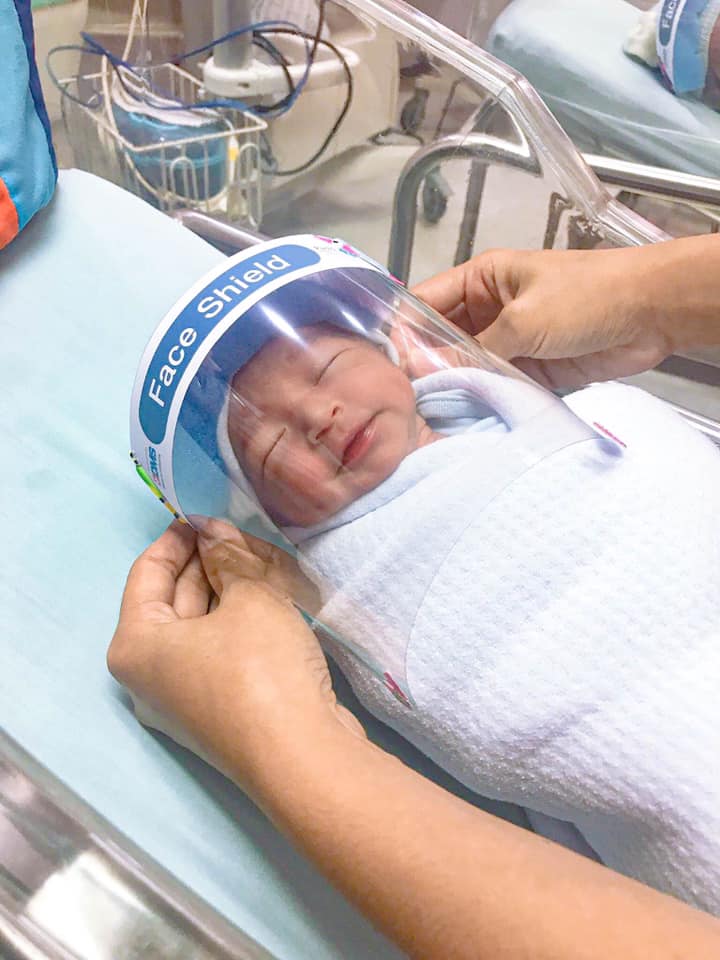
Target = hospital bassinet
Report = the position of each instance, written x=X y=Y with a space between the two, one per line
x=81 y=289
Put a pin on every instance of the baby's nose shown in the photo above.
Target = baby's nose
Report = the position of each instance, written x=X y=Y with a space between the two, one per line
x=321 y=420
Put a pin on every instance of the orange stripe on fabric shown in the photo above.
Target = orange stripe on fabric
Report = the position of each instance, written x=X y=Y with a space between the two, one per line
x=9 y=224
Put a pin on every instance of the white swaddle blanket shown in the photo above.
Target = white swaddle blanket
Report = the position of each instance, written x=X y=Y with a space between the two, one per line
x=562 y=638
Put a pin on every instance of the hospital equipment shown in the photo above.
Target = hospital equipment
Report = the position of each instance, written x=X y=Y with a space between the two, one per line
x=215 y=142
x=211 y=163
x=349 y=94
x=146 y=127
x=82 y=287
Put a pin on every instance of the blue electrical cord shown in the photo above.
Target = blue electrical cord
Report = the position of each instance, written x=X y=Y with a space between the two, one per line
x=260 y=38
x=231 y=103
x=95 y=48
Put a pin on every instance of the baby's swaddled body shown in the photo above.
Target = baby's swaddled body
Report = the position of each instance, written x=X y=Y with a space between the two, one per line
x=560 y=633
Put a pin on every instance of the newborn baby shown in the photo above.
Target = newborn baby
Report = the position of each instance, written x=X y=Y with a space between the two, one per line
x=542 y=593
x=683 y=40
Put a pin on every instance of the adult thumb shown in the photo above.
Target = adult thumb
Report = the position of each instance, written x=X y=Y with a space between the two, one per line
x=228 y=555
x=509 y=336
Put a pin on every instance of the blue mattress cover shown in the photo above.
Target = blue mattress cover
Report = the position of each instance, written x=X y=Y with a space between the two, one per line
x=571 y=52
x=81 y=291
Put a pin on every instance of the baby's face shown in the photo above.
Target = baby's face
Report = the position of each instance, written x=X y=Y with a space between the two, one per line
x=315 y=424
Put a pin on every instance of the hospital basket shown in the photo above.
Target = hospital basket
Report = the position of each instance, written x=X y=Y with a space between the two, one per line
x=216 y=170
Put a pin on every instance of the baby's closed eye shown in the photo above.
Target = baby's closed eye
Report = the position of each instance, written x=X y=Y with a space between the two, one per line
x=324 y=369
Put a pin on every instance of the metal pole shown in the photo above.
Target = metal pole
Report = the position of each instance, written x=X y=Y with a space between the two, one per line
x=231 y=15
x=471 y=213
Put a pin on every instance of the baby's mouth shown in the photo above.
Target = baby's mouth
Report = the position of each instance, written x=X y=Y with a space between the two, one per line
x=359 y=443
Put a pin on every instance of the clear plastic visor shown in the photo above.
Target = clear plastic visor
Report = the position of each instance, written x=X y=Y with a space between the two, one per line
x=331 y=406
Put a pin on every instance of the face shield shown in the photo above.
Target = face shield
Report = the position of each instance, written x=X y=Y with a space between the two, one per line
x=299 y=388
x=684 y=32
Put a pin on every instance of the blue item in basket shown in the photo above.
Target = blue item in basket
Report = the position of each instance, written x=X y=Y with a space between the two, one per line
x=195 y=170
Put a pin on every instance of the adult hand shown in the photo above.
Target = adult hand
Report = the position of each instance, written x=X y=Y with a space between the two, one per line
x=246 y=686
x=185 y=649
x=570 y=317
x=224 y=549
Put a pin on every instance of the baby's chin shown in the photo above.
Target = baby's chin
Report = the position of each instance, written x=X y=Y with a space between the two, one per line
x=306 y=516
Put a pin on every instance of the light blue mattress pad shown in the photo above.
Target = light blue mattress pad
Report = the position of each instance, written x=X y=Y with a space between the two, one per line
x=571 y=52
x=80 y=293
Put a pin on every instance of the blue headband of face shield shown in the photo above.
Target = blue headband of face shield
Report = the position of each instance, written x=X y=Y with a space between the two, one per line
x=185 y=375
x=683 y=40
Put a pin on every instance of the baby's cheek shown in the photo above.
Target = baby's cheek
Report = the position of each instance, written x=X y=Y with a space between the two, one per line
x=391 y=458
x=305 y=475
x=309 y=495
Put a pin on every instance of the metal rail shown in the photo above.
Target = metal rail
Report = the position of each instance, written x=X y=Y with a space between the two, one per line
x=137 y=908
x=482 y=148
x=225 y=236
x=707 y=426
x=657 y=182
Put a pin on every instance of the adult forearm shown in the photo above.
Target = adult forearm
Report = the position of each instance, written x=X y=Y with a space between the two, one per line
x=677 y=286
x=247 y=686
x=446 y=880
